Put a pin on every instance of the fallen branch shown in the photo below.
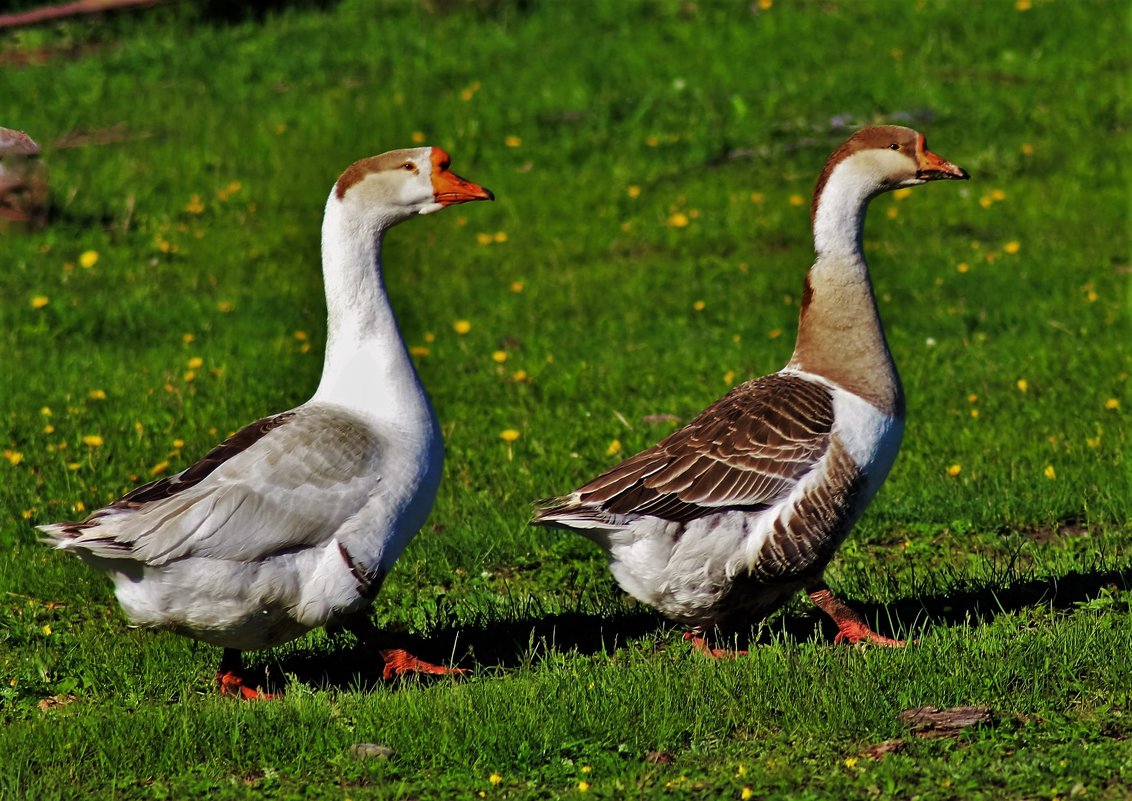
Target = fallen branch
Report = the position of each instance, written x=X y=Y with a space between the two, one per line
x=77 y=8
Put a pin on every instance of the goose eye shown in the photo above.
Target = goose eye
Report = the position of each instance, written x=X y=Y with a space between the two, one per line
x=408 y=165
x=894 y=146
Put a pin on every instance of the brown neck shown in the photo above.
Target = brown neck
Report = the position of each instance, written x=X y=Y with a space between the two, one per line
x=840 y=336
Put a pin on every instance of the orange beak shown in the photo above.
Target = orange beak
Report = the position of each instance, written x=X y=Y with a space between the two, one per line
x=448 y=188
x=931 y=167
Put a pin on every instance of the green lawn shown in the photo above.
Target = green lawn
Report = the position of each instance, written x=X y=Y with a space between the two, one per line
x=177 y=295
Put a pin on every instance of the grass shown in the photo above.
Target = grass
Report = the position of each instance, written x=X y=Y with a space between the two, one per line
x=596 y=125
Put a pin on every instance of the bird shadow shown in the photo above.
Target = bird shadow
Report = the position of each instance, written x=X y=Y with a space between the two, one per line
x=500 y=645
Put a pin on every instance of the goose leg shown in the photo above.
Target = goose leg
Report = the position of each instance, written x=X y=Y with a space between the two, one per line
x=851 y=626
x=230 y=677
x=398 y=661
x=700 y=645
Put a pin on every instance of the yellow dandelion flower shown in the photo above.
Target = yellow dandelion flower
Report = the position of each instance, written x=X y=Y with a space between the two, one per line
x=88 y=258
x=499 y=356
x=280 y=128
x=954 y=470
x=13 y=457
x=429 y=337
x=974 y=412
x=850 y=762
x=746 y=793
x=1049 y=472
x=797 y=200
x=159 y=468
x=418 y=137
x=74 y=467
x=187 y=338
x=652 y=140
x=92 y=441
x=583 y=787
x=195 y=363
x=47 y=629
x=774 y=333
x=1091 y=295
x=195 y=205
x=494 y=779
x=757 y=198
x=178 y=444
x=419 y=350
x=519 y=375
x=301 y=336
x=1027 y=149
x=972 y=398
x=225 y=306
x=513 y=141
x=614 y=448
x=892 y=212
x=1011 y=248
x=634 y=191
x=461 y=327
x=729 y=377
x=1023 y=5
x=586 y=769
x=699 y=305
x=1093 y=442
x=509 y=434
x=39 y=301
x=900 y=194
x=517 y=287
x=985 y=201
x=97 y=394
x=962 y=266
x=500 y=237
x=998 y=194
x=677 y=220
x=1022 y=384
x=49 y=429
x=1111 y=404
x=189 y=376
x=45 y=411
x=484 y=238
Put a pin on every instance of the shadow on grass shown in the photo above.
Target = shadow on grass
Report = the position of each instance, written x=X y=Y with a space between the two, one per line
x=508 y=644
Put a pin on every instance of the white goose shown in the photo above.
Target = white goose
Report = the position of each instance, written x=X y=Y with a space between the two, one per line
x=722 y=521
x=294 y=521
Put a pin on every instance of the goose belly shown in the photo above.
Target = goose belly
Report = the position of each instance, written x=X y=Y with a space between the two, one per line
x=242 y=605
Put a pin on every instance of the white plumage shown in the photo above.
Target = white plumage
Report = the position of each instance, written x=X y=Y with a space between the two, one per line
x=294 y=521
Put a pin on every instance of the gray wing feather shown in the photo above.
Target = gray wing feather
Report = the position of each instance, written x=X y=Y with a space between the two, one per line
x=283 y=483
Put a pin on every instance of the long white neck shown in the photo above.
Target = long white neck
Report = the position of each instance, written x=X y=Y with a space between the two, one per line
x=367 y=366
x=839 y=332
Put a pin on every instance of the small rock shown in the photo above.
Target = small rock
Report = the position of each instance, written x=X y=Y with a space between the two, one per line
x=370 y=751
x=933 y=721
x=881 y=750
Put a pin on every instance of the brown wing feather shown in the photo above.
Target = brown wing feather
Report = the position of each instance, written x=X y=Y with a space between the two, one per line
x=745 y=451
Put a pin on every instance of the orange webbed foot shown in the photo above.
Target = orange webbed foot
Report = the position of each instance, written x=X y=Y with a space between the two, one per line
x=700 y=645
x=399 y=662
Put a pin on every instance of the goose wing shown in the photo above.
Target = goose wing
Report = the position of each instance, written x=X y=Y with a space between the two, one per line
x=285 y=482
x=744 y=452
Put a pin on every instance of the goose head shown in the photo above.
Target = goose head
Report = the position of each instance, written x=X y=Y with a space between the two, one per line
x=886 y=157
x=404 y=183
x=871 y=161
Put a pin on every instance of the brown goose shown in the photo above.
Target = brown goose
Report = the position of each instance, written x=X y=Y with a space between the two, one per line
x=294 y=521
x=723 y=520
